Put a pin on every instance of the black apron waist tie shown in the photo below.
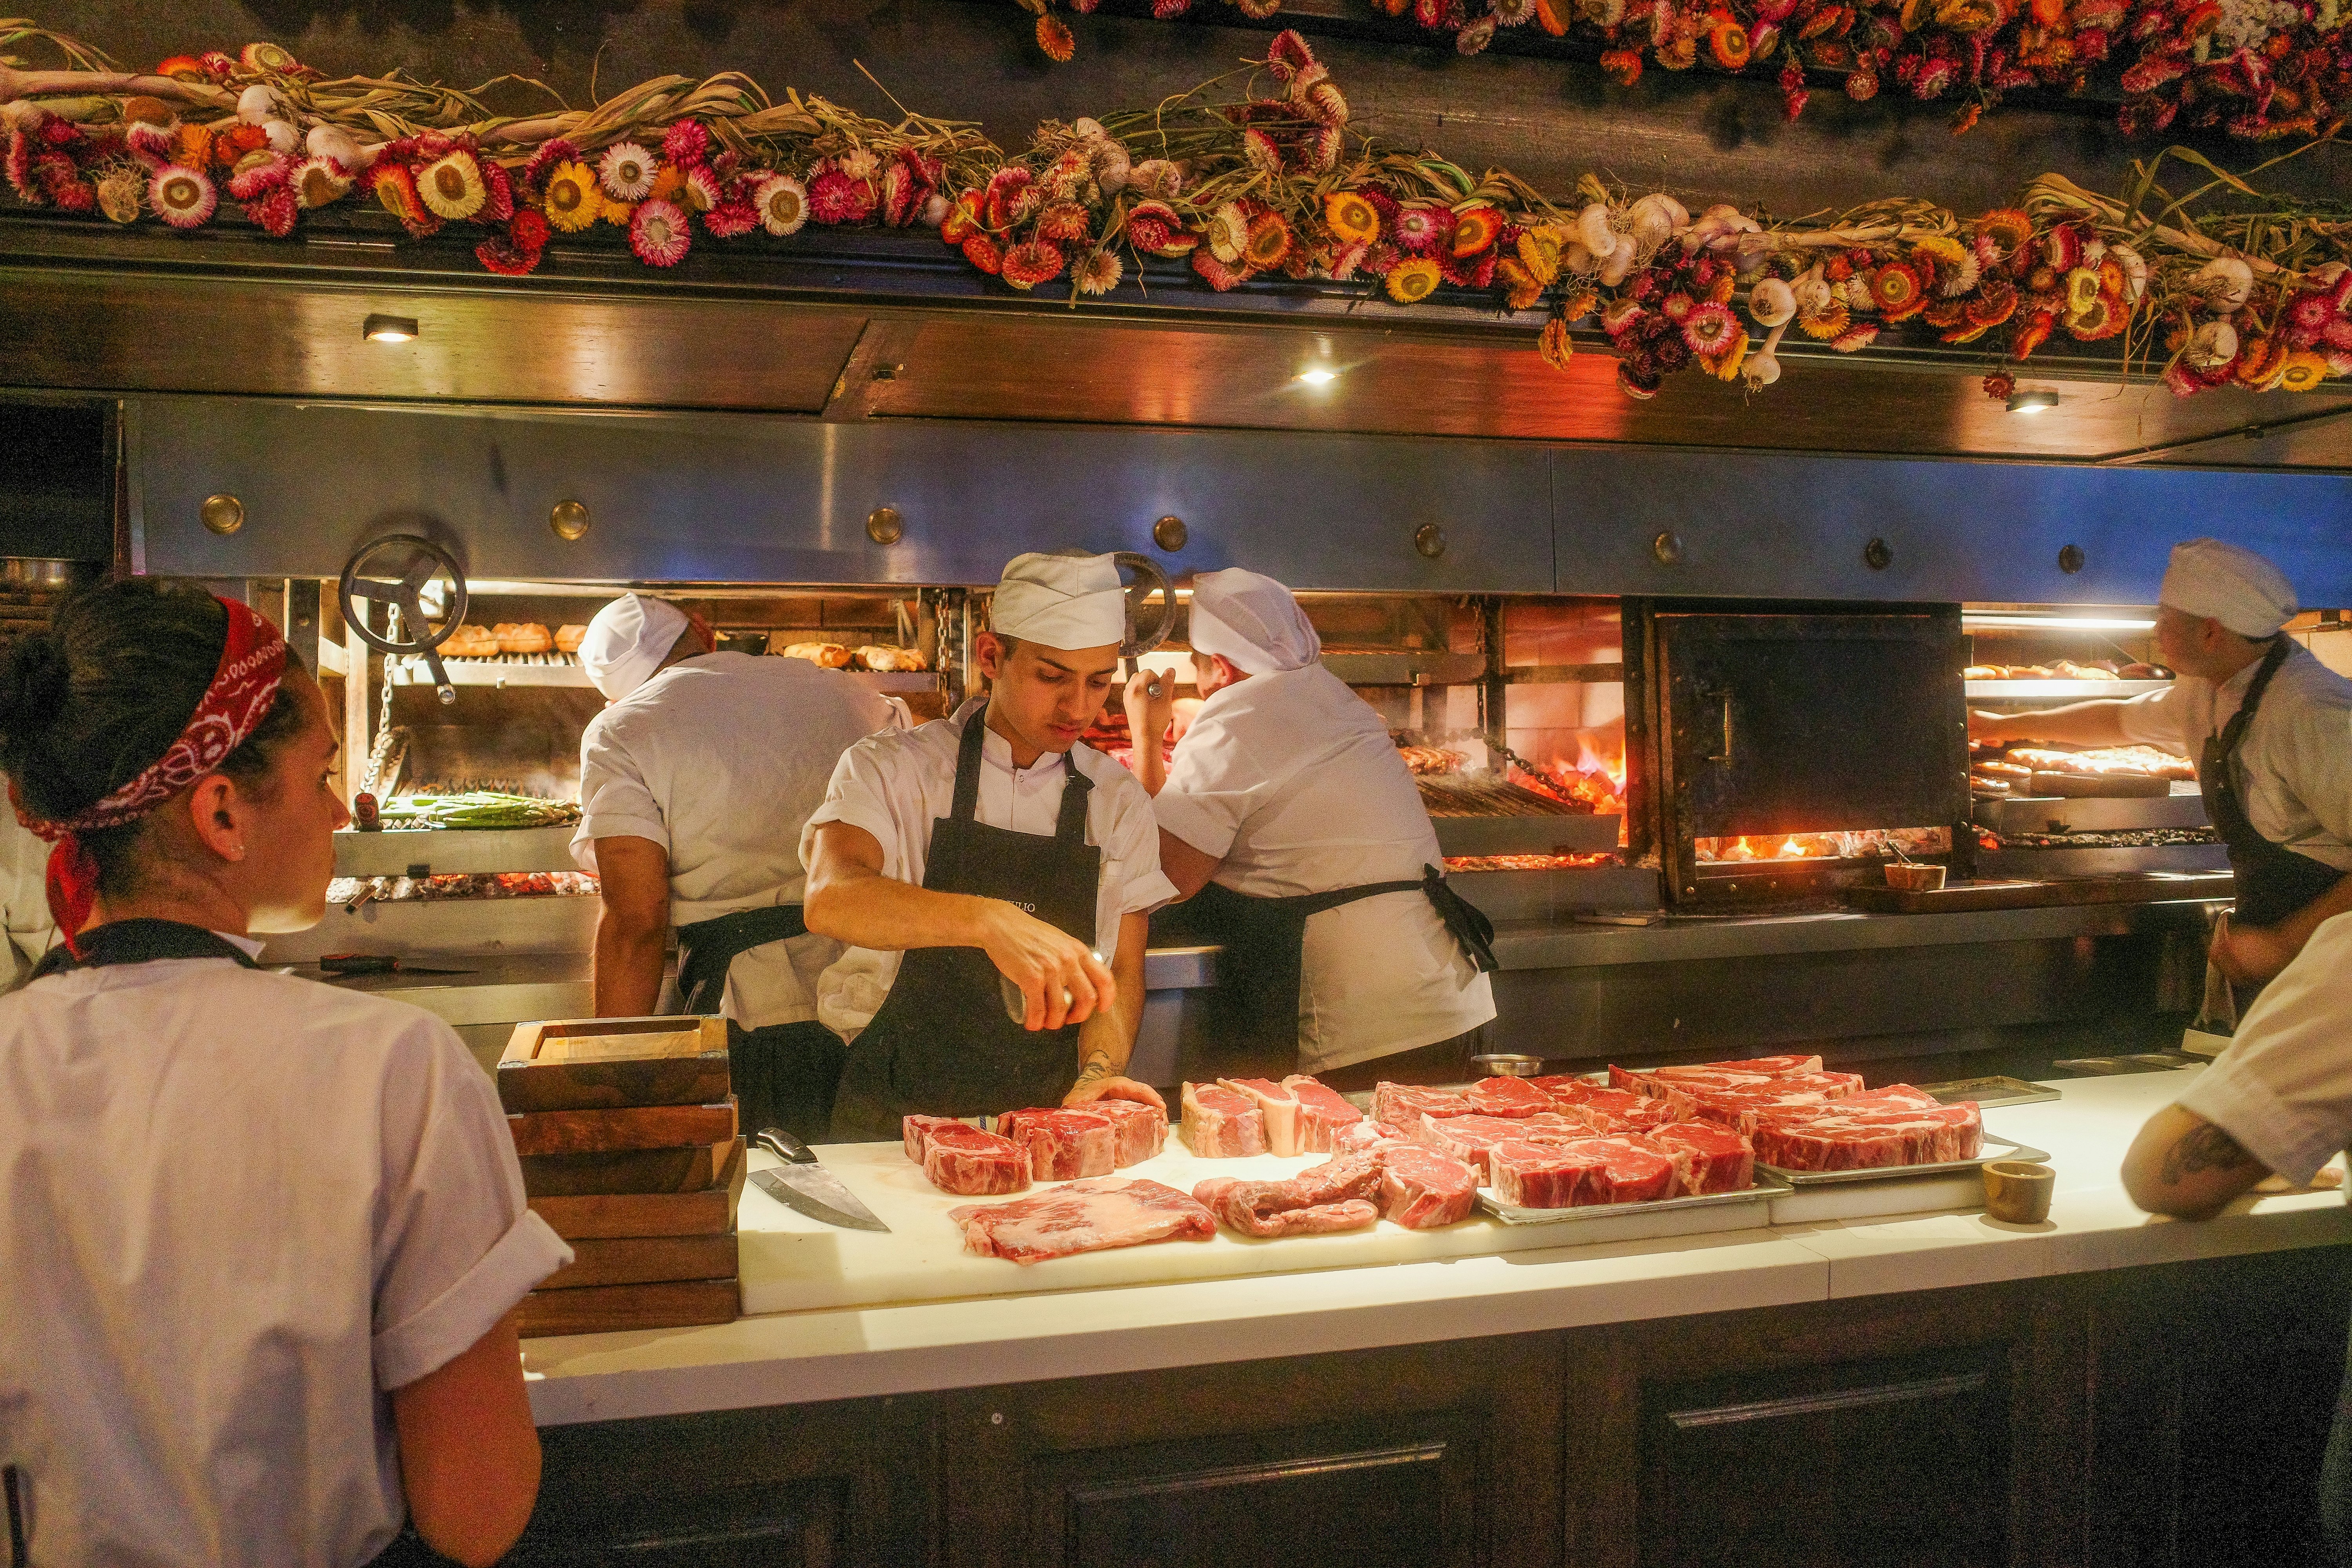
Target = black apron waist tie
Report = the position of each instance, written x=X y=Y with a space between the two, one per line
x=2272 y=880
x=782 y=1074
x=707 y=949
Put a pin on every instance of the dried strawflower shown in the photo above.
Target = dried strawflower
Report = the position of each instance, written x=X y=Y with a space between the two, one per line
x=182 y=197
x=626 y=170
x=658 y=234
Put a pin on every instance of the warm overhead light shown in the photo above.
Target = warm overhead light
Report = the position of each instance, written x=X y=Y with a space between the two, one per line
x=2032 y=402
x=390 y=328
x=2054 y=623
x=1321 y=375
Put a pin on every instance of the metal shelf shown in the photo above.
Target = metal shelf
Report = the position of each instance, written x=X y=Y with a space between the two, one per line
x=2042 y=689
x=517 y=669
x=391 y=851
x=1566 y=834
x=1407 y=668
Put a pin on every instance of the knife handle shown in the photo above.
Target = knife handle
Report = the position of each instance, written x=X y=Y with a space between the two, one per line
x=784 y=1146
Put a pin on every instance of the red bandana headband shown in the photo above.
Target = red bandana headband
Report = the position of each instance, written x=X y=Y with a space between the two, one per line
x=252 y=663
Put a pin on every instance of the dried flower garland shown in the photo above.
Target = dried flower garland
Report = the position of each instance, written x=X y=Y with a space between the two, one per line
x=1264 y=184
x=2256 y=68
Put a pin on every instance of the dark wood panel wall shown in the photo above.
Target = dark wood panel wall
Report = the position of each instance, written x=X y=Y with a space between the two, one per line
x=2158 y=1416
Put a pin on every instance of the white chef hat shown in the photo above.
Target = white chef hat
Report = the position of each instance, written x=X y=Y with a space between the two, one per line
x=1062 y=601
x=1253 y=621
x=626 y=642
x=2230 y=583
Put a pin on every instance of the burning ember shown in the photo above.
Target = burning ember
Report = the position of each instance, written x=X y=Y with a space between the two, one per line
x=1526 y=862
x=1872 y=844
x=1592 y=782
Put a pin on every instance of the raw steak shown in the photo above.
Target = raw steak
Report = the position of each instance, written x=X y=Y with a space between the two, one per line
x=1399 y=1103
x=915 y=1129
x=1627 y=1168
x=1323 y=1115
x=1084 y=1216
x=1466 y=1138
x=1143 y=1128
x=1539 y=1175
x=1064 y=1144
x=1758 y=1066
x=1422 y=1189
x=1505 y=1097
x=1618 y=1109
x=1277 y=1105
x=1221 y=1123
x=1359 y=1136
x=971 y=1163
x=1721 y=1161
x=1836 y=1138
x=1894 y=1097
x=1710 y=1075
x=1332 y=1196
x=1742 y=1108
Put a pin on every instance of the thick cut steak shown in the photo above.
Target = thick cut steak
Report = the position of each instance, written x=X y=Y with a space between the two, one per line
x=1064 y=1144
x=1221 y=1123
x=1628 y=1169
x=1333 y=1196
x=1466 y=1138
x=1422 y=1189
x=1143 y=1128
x=915 y=1129
x=1398 y=1104
x=1358 y=1137
x=974 y=1165
x=1085 y=1216
x=1277 y=1105
x=1505 y=1097
x=1841 y=1137
x=1539 y=1175
x=1323 y=1115
x=1721 y=1159
x=1743 y=1107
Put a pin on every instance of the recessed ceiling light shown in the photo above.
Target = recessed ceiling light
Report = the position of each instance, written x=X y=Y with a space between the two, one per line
x=1321 y=375
x=390 y=328
x=2032 y=402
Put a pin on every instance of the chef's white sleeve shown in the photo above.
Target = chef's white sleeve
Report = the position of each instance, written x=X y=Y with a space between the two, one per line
x=2282 y=1087
x=456 y=1244
x=614 y=800
x=2157 y=719
x=1131 y=860
x=2312 y=750
x=1211 y=789
x=867 y=791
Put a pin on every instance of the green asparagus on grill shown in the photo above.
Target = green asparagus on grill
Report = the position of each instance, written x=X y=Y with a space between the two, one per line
x=477 y=809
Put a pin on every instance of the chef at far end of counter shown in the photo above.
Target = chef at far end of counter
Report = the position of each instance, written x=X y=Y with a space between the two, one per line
x=989 y=843
x=1294 y=828
x=2271 y=730
x=694 y=784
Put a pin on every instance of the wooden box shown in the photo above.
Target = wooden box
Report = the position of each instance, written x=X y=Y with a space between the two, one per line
x=598 y=1216
x=627 y=1127
x=601 y=1309
x=690 y=1170
x=605 y=1064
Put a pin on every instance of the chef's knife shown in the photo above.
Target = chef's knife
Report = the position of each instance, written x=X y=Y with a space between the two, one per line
x=377 y=964
x=807 y=1187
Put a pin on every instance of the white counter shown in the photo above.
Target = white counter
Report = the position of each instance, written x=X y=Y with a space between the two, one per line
x=794 y=1357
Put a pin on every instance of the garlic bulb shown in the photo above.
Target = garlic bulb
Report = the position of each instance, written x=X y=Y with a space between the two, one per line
x=2212 y=345
x=1772 y=302
x=2224 y=282
x=1599 y=235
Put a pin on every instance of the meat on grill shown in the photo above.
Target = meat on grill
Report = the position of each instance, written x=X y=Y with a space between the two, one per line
x=1323 y=1114
x=1221 y=1123
x=1064 y=1144
x=1085 y=1216
x=971 y=1163
x=1277 y=1105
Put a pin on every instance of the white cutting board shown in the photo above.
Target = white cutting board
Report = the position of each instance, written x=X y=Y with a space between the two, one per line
x=791 y=1263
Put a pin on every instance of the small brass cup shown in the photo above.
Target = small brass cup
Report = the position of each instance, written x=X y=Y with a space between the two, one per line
x=2018 y=1192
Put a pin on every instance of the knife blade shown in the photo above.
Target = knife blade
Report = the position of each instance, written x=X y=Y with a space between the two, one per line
x=805 y=1186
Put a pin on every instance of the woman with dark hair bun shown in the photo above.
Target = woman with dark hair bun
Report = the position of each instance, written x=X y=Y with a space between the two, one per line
x=260 y=1239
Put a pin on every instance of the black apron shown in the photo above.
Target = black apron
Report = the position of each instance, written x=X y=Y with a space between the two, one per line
x=143 y=941
x=782 y=1074
x=2272 y=881
x=941 y=1044
x=1249 y=1025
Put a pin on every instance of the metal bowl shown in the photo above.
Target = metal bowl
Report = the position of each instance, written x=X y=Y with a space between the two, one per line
x=1509 y=1065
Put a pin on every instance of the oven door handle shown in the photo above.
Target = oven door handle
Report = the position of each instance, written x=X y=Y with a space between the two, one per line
x=1719 y=694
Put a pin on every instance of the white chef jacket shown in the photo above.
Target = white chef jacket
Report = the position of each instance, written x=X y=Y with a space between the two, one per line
x=2295 y=765
x=236 y=1209
x=896 y=786
x=1290 y=780
x=719 y=759
x=23 y=901
x=2282 y=1086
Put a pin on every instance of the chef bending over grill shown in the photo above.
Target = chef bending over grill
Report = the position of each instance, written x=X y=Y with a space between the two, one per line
x=990 y=846
x=2271 y=729
x=695 y=782
x=1294 y=828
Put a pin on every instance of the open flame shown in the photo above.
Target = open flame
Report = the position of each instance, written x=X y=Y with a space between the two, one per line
x=1870 y=844
x=1594 y=781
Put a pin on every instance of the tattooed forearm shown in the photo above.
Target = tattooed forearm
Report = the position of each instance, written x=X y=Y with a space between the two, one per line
x=2204 y=1147
x=1096 y=1066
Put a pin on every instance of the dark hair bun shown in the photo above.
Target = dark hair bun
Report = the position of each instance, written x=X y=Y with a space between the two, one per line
x=34 y=680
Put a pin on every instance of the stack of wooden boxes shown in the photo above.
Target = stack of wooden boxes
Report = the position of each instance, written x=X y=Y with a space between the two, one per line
x=630 y=1150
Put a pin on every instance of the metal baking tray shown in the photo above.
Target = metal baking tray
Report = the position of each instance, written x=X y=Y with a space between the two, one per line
x=1990 y=1091
x=1769 y=1185
x=2008 y=1151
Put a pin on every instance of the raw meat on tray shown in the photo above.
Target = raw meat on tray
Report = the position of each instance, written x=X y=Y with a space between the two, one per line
x=1624 y=1169
x=1837 y=1137
x=1721 y=1159
x=1332 y=1196
x=1064 y=1144
x=1505 y=1097
x=1323 y=1114
x=971 y=1163
x=1277 y=1105
x=1401 y=1104
x=1143 y=1128
x=1741 y=1107
x=1360 y=1136
x=1222 y=1123
x=1422 y=1189
x=1091 y=1215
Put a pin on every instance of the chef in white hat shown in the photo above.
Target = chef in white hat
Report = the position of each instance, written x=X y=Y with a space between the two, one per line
x=694 y=784
x=986 y=847
x=2271 y=730
x=1291 y=825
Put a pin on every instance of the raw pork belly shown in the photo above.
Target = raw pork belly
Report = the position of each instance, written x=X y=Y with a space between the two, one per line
x=1399 y=1104
x=1143 y=1128
x=1277 y=1105
x=1322 y=1114
x=1332 y=1196
x=915 y=1129
x=1221 y=1123
x=1721 y=1159
x=1422 y=1189
x=1084 y=1216
x=971 y=1163
x=1063 y=1144
x=1505 y=1097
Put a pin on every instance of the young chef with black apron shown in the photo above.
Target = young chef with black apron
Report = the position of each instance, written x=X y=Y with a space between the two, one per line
x=1297 y=835
x=695 y=783
x=2271 y=730
x=985 y=848
x=260 y=1239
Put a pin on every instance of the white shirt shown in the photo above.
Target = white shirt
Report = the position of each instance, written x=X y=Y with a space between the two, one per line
x=1291 y=781
x=2293 y=768
x=2282 y=1087
x=719 y=760
x=24 y=900
x=896 y=786
x=236 y=1209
